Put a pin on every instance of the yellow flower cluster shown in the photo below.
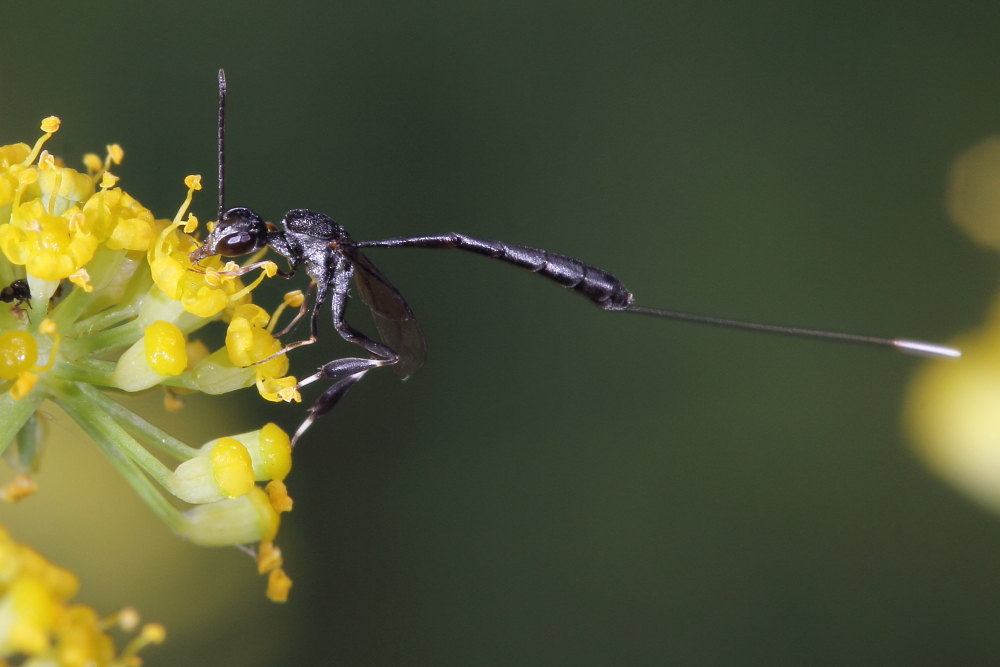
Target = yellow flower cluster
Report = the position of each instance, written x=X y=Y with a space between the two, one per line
x=103 y=296
x=38 y=621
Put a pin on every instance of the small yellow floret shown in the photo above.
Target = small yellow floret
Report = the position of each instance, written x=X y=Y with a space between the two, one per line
x=154 y=633
x=81 y=279
x=278 y=584
x=165 y=348
x=127 y=618
x=18 y=353
x=116 y=153
x=276 y=389
x=268 y=556
x=277 y=495
x=92 y=163
x=232 y=467
x=50 y=124
x=108 y=180
x=294 y=299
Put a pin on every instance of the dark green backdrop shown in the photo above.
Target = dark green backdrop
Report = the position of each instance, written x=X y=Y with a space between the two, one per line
x=561 y=485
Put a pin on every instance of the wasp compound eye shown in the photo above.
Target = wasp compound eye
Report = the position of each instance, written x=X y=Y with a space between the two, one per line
x=237 y=243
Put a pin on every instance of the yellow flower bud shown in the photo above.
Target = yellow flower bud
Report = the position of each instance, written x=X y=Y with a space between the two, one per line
x=165 y=349
x=231 y=467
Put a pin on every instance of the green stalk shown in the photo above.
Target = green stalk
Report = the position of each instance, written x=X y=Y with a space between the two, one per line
x=81 y=399
x=91 y=371
x=120 y=449
x=14 y=414
x=121 y=336
x=104 y=320
x=139 y=427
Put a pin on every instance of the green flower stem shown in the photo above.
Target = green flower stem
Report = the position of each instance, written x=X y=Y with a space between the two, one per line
x=82 y=399
x=14 y=414
x=119 y=447
x=67 y=310
x=121 y=336
x=139 y=427
x=91 y=371
x=105 y=319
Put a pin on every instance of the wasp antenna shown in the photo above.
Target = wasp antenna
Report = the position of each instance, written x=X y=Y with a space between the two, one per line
x=222 y=142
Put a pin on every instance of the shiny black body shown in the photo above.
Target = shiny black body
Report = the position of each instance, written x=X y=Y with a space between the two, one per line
x=317 y=244
x=17 y=292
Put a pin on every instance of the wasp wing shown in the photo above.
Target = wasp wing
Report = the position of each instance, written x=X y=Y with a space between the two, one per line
x=396 y=323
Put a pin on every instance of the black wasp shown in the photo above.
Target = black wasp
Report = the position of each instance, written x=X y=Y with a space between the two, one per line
x=314 y=242
x=17 y=293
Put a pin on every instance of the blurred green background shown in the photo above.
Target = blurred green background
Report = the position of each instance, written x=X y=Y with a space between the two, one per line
x=561 y=485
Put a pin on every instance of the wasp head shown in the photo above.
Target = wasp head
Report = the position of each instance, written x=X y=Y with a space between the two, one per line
x=239 y=231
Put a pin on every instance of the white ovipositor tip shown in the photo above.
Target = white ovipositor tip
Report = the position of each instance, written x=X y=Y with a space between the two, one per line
x=925 y=349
